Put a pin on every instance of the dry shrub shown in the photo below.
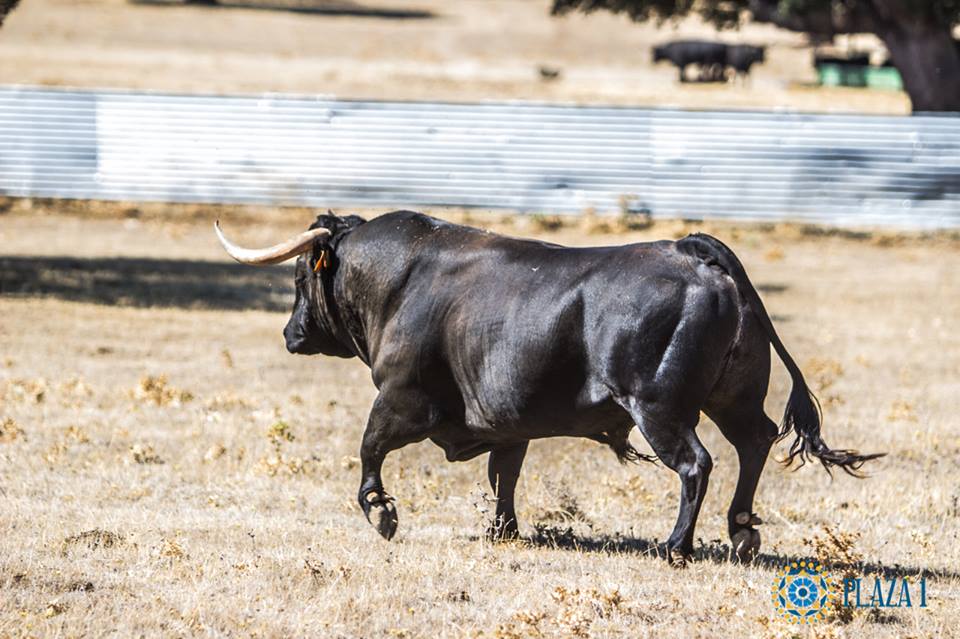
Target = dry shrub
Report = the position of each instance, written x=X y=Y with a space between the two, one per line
x=838 y=553
x=279 y=463
x=76 y=434
x=55 y=453
x=153 y=389
x=144 y=454
x=9 y=430
x=278 y=433
x=902 y=411
x=171 y=550
x=214 y=452
x=25 y=391
x=92 y=539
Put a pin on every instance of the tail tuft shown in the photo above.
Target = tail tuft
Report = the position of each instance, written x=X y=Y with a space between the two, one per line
x=803 y=416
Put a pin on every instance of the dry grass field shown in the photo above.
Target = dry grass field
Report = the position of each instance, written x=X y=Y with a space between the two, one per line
x=461 y=51
x=167 y=469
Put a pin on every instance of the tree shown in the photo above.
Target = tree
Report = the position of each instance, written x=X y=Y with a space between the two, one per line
x=918 y=33
x=6 y=6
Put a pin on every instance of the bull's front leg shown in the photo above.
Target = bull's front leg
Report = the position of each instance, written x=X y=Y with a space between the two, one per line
x=394 y=422
x=503 y=470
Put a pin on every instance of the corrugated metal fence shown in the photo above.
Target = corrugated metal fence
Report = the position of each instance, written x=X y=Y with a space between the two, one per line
x=531 y=157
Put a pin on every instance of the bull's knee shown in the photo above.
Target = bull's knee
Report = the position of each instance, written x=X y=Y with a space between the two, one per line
x=379 y=510
x=699 y=470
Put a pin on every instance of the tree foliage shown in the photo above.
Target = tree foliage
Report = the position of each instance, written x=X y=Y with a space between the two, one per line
x=918 y=33
x=824 y=17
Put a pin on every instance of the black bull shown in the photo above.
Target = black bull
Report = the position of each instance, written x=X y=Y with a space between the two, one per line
x=482 y=343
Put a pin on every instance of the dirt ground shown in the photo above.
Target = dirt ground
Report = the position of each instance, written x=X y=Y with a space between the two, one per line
x=460 y=51
x=167 y=469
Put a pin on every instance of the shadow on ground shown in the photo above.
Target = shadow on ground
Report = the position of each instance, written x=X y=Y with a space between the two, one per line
x=149 y=282
x=714 y=552
x=314 y=7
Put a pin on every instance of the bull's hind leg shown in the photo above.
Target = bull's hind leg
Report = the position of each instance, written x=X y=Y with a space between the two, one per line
x=676 y=444
x=394 y=422
x=503 y=470
x=752 y=433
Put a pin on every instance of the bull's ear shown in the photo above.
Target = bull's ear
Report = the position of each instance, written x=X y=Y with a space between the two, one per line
x=321 y=256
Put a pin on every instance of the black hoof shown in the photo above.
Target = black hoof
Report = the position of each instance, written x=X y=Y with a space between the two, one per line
x=503 y=531
x=746 y=544
x=744 y=537
x=381 y=513
x=679 y=558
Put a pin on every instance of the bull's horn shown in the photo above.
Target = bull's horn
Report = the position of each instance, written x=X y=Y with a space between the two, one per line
x=274 y=254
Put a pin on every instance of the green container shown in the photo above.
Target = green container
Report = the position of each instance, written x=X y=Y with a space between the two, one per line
x=837 y=75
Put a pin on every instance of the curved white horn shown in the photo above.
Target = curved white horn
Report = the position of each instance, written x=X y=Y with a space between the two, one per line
x=273 y=254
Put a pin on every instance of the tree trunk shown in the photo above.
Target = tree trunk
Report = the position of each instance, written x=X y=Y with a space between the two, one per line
x=929 y=63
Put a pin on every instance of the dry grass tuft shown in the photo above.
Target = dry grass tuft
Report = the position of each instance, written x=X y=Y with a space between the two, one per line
x=172 y=550
x=92 y=540
x=214 y=453
x=154 y=389
x=280 y=463
x=29 y=391
x=144 y=454
x=9 y=430
x=902 y=410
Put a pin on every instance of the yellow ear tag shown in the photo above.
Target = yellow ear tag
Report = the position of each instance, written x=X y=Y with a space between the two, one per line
x=320 y=262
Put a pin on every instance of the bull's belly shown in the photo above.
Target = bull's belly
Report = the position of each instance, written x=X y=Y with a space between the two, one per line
x=477 y=435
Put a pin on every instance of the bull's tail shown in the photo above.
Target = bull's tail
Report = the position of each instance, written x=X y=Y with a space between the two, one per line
x=802 y=414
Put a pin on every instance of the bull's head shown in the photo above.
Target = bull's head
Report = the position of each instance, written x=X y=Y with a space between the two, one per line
x=314 y=326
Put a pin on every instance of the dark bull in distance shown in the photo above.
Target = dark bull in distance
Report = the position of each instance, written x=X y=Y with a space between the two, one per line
x=482 y=343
